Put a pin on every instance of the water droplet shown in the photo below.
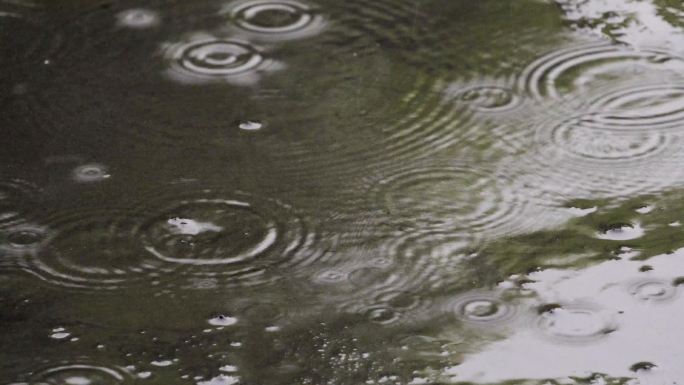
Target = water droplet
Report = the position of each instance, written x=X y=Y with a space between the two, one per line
x=569 y=72
x=581 y=212
x=88 y=173
x=382 y=315
x=653 y=290
x=464 y=197
x=489 y=98
x=644 y=209
x=642 y=366
x=138 y=18
x=482 y=308
x=82 y=374
x=330 y=277
x=59 y=333
x=25 y=237
x=204 y=58
x=575 y=324
x=244 y=235
x=16 y=200
x=621 y=232
x=161 y=363
x=223 y=320
x=91 y=250
x=586 y=140
x=250 y=125
x=144 y=375
x=221 y=379
x=275 y=20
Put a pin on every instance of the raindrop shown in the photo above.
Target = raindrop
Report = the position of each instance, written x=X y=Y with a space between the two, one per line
x=382 y=315
x=653 y=290
x=275 y=20
x=221 y=379
x=482 y=308
x=621 y=232
x=223 y=320
x=460 y=196
x=225 y=240
x=644 y=209
x=82 y=374
x=203 y=58
x=138 y=18
x=489 y=98
x=161 y=363
x=92 y=250
x=59 y=334
x=228 y=368
x=250 y=125
x=16 y=200
x=575 y=324
x=642 y=366
x=87 y=173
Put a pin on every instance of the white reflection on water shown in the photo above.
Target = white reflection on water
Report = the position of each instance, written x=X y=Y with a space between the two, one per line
x=646 y=309
x=632 y=22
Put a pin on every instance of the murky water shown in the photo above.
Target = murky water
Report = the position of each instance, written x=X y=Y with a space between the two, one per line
x=341 y=192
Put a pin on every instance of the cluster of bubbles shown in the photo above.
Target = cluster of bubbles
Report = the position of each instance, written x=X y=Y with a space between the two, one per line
x=230 y=55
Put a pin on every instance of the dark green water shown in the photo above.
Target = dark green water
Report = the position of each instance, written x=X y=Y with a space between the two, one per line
x=341 y=192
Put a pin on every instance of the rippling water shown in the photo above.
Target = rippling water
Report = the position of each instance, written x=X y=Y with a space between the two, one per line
x=341 y=192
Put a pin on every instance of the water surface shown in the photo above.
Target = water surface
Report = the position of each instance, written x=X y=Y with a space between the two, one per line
x=341 y=192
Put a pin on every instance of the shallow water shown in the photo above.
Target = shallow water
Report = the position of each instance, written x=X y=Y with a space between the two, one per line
x=341 y=192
